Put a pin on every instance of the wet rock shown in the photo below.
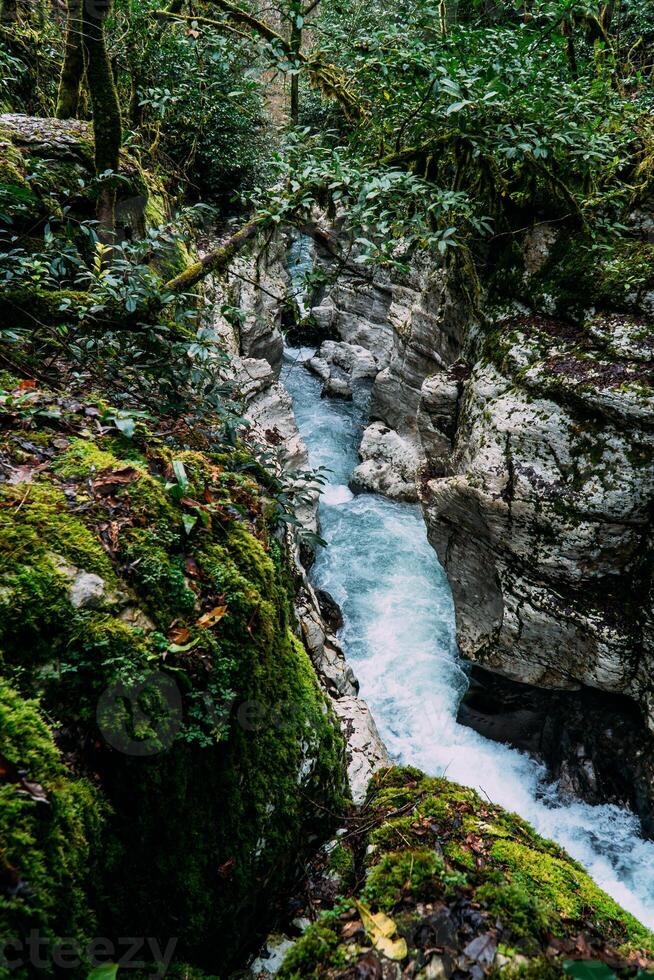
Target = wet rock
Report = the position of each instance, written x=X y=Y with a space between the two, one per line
x=390 y=464
x=592 y=742
x=336 y=388
x=356 y=308
x=318 y=366
x=356 y=361
x=366 y=753
x=326 y=654
x=330 y=610
x=269 y=961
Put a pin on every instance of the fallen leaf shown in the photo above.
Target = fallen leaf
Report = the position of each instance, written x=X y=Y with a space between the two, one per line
x=212 y=617
x=180 y=635
x=190 y=502
x=482 y=949
x=350 y=929
x=367 y=967
x=225 y=870
x=106 y=481
x=381 y=929
x=191 y=567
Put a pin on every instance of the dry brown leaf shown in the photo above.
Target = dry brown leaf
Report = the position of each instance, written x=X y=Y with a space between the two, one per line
x=105 y=482
x=180 y=635
x=212 y=617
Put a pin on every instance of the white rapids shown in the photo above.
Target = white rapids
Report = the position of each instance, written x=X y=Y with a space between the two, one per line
x=399 y=636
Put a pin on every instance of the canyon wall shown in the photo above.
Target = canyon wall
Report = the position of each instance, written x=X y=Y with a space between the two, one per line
x=529 y=440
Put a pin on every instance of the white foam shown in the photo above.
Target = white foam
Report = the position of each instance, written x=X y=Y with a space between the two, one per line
x=335 y=495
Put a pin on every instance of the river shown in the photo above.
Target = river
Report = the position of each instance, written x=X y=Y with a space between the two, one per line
x=399 y=636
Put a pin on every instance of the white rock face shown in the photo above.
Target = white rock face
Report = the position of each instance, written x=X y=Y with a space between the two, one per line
x=356 y=361
x=356 y=309
x=390 y=464
x=544 y=520
x=429 y=322
x=256 y=286
x=366 y=753
x=415 y=326
x=339 y=365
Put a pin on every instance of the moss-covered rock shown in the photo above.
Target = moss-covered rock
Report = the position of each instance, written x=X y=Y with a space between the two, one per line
x=144 y=600
x=47 y=171
x=582 y=274
x=50 y=823
x=468 y=887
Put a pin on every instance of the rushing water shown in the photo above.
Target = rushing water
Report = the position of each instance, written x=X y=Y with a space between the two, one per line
x=399 y=636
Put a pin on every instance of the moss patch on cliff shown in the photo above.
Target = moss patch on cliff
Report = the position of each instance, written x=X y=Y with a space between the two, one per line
x=50 y=823
x=467 y=885
x=144 y=601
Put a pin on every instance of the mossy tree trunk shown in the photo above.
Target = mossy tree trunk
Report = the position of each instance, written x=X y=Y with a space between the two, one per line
x=107 y=124
x=296 y=44
x=297 y=14
x=72 y=70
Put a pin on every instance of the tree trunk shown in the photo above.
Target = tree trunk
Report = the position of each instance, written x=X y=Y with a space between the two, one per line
x=107 y=124
x=72 y=70
x=296 y=45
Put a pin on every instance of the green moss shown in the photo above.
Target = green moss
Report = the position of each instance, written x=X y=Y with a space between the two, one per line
x=559 y=891
x=414 y=875
x=434 y=847
x=47 y=847
x=340 y=860
x=257 y=769
x=316 y=948
x=83 y=459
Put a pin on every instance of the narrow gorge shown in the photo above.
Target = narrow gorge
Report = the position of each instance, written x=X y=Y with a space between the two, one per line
x=326 y=490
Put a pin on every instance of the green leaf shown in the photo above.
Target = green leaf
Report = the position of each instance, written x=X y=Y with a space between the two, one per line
x=106 y=971
x=125 y=425
x=180 y=473
x=588 y=970
x=189 y=522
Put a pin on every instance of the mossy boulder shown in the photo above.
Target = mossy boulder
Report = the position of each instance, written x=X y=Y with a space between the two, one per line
x=50 y=824
x=47 y=173
x=448 y=884
x=145 y=603
x=581 y=275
